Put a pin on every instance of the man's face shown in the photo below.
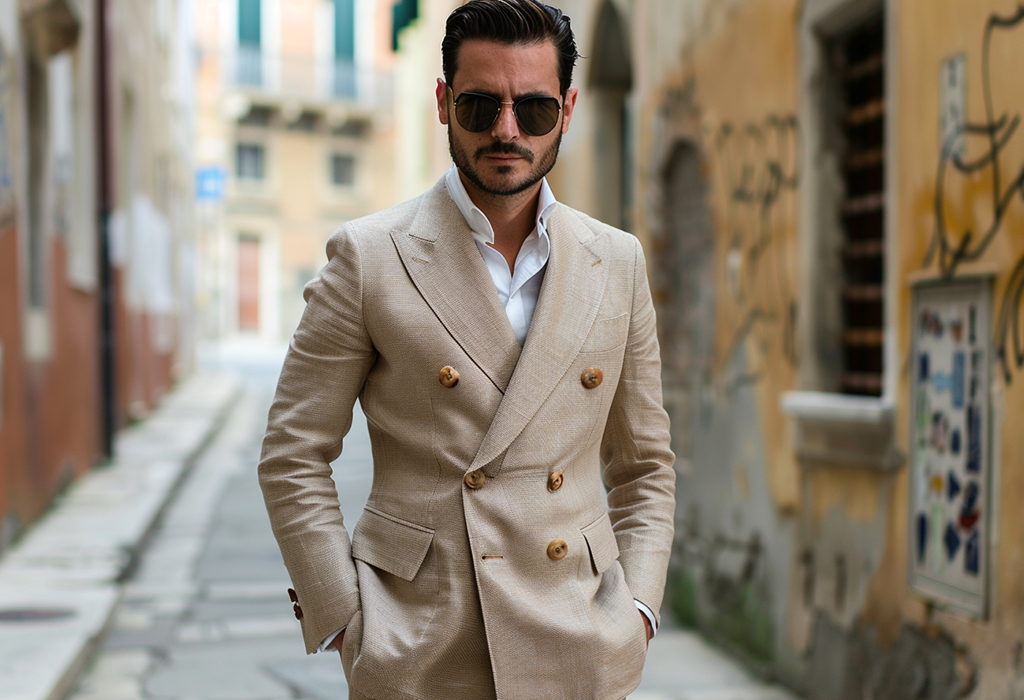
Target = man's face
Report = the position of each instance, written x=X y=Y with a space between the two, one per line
x=503 y=159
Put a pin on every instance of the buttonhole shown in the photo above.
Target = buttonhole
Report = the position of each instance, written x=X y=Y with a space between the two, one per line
x=419 y=260
x=597 y=263
x=491 y=556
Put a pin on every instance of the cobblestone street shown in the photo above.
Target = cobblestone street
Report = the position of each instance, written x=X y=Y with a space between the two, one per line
x=205 y=616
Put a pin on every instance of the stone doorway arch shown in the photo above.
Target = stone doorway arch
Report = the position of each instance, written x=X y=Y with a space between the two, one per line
x=610 y=81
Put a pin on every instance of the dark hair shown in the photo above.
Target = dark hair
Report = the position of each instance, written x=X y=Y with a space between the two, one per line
x=509 y=22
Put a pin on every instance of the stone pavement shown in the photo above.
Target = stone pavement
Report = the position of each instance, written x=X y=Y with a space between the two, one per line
x=59 y=584
x=206 y=614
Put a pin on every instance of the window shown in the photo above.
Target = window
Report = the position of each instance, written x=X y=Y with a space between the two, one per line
x=343 y=169
x=38 y=123
x=344 y=49
x=249 y=23
x=857 y=62
x=250 y=161
x=250 y=63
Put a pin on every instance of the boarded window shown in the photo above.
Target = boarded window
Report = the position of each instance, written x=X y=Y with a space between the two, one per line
x=858 y=67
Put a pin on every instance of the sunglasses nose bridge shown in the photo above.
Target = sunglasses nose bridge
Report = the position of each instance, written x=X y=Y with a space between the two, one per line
x=505 y=121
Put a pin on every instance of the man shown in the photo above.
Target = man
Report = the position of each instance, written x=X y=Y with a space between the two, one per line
x=502 y=346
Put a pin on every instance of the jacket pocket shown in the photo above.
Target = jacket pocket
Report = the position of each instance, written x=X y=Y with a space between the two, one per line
x=601 y=541
x=607 y=334
x=391 y=544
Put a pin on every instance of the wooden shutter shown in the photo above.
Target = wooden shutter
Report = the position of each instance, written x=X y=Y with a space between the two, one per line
x=859 y=60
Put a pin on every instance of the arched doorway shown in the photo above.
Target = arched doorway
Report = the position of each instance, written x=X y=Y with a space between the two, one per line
x=610 y=80
x=685 y=282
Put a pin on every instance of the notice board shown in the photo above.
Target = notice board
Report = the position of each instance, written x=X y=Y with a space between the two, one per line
x=950 y=458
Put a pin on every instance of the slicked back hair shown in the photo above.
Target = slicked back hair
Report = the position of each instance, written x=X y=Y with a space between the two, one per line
x=509 y=22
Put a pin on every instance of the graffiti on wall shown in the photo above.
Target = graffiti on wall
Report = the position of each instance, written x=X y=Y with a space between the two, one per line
x=949 y=249
x=758 y=173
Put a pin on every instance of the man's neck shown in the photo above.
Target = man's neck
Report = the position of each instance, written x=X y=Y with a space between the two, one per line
x=512 y=217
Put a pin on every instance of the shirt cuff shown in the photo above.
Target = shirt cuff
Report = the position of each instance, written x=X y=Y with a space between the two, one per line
x=649 y=615
x=331 y=637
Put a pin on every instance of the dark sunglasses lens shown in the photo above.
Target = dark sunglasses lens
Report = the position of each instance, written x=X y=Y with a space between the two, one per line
x=475 y=112
x=537 y=116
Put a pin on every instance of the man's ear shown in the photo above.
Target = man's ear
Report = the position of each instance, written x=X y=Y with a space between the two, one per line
x=568 y=105
x=441 y=93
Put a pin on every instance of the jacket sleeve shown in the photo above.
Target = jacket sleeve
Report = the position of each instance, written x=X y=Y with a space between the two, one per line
x=327 y=362
x=636 y=450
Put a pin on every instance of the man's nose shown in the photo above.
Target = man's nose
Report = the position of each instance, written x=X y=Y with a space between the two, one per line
x=505 y=127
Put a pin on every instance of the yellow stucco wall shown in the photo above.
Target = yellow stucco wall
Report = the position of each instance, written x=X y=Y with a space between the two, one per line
x=739 y=65
x=748 y=103
x=932 y=33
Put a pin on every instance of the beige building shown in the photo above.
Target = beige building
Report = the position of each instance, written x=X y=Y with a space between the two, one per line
x=294 y=139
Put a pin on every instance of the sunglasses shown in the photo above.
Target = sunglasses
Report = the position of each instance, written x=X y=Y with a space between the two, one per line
x=536 y=115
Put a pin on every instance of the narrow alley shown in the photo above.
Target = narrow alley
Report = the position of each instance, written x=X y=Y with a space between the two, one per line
x=206 y=615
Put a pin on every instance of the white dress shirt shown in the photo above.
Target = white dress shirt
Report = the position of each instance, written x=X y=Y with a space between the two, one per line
x=518 y=291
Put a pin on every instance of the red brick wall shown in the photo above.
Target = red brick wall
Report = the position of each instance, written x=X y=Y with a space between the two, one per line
x=50 y=430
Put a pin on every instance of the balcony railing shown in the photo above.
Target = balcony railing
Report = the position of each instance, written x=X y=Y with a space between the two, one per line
x=284 y=76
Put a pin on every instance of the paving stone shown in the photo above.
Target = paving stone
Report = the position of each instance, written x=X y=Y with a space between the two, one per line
x=223 y=671
x=319 y=676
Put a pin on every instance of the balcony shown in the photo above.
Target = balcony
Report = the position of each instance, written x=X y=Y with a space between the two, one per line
x=310 y=79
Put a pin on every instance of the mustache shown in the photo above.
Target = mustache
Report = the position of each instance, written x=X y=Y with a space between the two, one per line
x=505 y=149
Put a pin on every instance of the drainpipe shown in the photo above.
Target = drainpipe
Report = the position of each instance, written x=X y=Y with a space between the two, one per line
x=104 y=198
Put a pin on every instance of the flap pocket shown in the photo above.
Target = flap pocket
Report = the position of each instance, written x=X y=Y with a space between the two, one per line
x=391 y=544
x=601 y=541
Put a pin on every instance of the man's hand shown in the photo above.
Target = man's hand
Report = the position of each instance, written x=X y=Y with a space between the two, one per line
x=336 y=643
x=647 y=628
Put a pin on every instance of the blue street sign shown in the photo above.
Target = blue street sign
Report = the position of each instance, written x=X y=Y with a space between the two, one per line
x=210 y=184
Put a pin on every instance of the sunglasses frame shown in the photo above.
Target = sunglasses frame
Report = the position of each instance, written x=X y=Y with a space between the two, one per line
x=514 y=103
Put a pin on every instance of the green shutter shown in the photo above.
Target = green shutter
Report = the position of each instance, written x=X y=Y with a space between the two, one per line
x=345 y=30
x=402 y=15
x=249 y=22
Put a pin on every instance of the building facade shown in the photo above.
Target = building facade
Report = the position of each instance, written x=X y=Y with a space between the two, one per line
x=828 y=192
x=294 y=139
x=95 y=233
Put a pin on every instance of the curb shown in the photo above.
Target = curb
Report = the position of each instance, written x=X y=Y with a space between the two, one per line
x=60 y=583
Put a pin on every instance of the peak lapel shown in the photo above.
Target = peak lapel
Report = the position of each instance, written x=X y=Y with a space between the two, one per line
x=442 y=258
x=569 y=300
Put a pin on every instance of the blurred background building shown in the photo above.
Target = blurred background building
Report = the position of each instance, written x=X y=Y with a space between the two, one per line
x=96 y=233
x=295 y=137
x=829 y=195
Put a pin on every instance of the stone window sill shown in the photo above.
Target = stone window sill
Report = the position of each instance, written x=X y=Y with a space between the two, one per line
x=843 y=430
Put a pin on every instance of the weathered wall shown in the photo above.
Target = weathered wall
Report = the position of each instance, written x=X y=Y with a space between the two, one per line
x=724 y=272
x=802 y=563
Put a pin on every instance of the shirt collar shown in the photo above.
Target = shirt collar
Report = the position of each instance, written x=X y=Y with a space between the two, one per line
x=477 y=220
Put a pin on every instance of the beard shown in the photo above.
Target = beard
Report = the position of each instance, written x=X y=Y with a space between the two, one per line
x=540 y=166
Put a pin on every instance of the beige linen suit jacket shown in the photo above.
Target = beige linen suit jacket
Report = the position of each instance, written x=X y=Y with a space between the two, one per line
x=452 y=592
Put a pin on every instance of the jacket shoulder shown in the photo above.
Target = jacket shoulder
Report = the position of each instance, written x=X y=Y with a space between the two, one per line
x=616 y=242
x=376 y=227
